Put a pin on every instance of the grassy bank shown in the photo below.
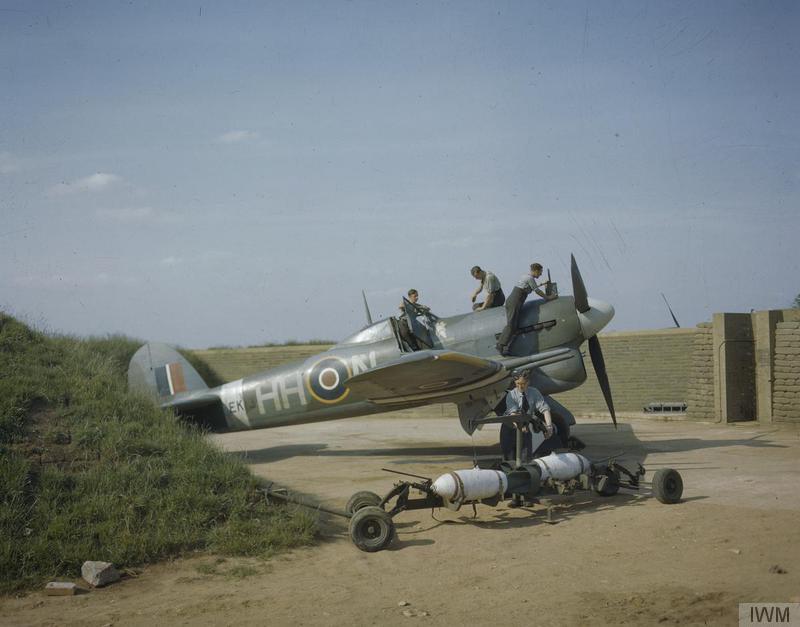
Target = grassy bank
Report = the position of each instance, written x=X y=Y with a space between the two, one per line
x=89 y=471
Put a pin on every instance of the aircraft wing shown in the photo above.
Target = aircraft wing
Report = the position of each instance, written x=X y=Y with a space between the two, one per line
x=438 y=374
x=426 y=374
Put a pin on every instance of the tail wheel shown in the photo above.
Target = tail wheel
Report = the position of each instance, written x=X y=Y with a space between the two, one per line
x=360 y=500
x=371 y=529
x=668 y=485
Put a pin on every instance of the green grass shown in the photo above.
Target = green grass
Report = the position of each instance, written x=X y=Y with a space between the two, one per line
x=292 y=342
x=90 y=471
x=121 y=348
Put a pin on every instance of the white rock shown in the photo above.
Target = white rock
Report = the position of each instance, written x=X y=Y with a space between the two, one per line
x=99 y=574
x=60 y=588
x=403 y=603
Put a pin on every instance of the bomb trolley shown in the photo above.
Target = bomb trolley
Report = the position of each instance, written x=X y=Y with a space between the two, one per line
x=562 y=472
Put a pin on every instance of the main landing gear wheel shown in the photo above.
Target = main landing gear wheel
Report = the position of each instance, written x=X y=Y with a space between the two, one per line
x=360 y=500
x=371 y=529
x=668 y=485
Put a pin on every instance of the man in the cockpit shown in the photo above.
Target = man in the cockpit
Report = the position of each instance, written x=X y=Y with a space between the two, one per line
x=422 y=314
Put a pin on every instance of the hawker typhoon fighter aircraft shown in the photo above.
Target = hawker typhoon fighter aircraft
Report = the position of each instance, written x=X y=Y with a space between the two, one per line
x=377 y=371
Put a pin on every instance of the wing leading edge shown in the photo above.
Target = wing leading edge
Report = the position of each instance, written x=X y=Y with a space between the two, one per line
x=436 y=374
x=424 y=374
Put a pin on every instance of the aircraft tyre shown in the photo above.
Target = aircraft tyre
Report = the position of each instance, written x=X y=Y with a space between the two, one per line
x=607 y=483
x=362 y=499
x=371 y=529
x=668 y=485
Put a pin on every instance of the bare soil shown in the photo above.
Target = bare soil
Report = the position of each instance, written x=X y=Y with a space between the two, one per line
x=621 y=560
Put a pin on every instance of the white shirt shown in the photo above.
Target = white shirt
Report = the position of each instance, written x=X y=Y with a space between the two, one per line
x=490 y=283
x=535 y=400
x=527 y=283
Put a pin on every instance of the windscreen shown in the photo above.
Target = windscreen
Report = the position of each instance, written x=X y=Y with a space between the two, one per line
x=374 y=333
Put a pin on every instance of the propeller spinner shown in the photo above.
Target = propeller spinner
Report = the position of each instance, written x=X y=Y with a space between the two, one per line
x=593 y=315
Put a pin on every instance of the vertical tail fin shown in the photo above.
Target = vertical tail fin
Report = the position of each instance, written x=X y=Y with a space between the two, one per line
x=162 y=372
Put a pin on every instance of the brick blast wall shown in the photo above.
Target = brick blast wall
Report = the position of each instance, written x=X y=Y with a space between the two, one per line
x=786 y=382
x=643 y=367
x=700 y=393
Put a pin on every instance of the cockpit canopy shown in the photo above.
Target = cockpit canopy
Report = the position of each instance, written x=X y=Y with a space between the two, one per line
x=381 y=330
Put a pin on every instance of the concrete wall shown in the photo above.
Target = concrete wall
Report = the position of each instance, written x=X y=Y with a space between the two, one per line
x=734 y=367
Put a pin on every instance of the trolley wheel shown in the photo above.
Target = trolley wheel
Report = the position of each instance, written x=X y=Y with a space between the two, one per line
x=607 y=483
x=371 y=529
x=361 y=499
x=668 y=485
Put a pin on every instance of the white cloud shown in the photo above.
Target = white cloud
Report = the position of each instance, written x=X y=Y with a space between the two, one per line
x=171 y=261
x=96 y=182
x=134 y=215
x=9 y=163
x=234 y=137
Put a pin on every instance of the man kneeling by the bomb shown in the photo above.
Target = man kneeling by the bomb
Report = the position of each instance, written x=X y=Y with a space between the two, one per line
x=520 y=400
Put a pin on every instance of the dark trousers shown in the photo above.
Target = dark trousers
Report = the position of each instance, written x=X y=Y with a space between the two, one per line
x=405 y=333
x=508 y=442
x=550 y=444
x=513 y=306
x=498 y=298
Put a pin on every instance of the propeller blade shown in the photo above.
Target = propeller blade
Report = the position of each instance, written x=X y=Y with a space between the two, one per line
x=599 y=364
x=674 y=319
x=578 y=288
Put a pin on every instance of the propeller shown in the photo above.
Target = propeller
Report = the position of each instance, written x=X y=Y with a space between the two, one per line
x=674 y=319
x=599 y=364
x=578 y=288
x=591 y=323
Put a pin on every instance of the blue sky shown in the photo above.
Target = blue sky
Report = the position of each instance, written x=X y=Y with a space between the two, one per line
x=233 y=173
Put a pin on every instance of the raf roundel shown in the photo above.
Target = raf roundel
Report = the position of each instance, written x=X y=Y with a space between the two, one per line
x=325 y=381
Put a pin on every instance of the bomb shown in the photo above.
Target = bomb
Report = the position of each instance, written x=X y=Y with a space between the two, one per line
x=470 y=485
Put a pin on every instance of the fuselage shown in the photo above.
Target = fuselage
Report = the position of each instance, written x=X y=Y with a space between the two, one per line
x=316 y=388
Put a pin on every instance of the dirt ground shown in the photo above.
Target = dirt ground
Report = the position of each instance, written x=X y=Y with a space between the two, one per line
x=621 y=560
